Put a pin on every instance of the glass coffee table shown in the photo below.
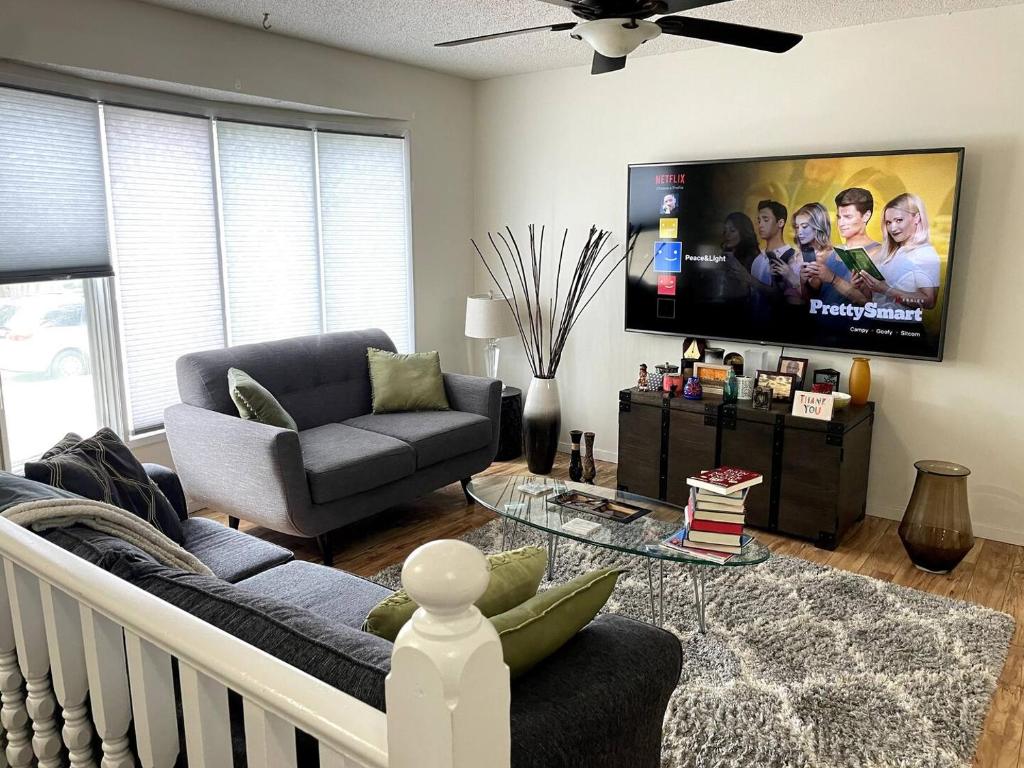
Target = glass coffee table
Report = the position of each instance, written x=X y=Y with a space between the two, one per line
x=641 y=537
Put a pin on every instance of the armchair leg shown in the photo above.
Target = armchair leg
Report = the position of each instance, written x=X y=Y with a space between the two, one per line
x=465 y=482
x=326 y=551
x=233 y=522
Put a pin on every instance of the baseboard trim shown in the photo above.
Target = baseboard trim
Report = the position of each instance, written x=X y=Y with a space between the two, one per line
x=600 y=455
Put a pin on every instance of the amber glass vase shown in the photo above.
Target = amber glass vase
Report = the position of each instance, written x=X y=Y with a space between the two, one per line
x=936 y=528
x=860 y=380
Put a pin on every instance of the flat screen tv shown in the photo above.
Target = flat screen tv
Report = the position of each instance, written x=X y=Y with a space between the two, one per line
x=850 y=252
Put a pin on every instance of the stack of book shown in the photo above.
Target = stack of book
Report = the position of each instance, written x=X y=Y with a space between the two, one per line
x=715 y=514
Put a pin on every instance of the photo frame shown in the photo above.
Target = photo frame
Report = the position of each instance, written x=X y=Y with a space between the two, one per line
x=796 y=366
x=827 y=376
x=711 y=377
x=762 y=398
x=782 y=385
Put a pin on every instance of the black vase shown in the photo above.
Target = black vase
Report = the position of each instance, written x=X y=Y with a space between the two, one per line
x=575 y=460
x=542 y=423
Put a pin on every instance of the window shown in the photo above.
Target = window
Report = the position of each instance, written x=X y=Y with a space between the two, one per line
x=45 y=366
x=218 y=232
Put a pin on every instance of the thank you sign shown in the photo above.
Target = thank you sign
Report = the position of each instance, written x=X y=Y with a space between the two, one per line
x=813 y=405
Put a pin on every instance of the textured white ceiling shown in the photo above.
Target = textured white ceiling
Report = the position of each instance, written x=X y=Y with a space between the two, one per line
x=406 y=30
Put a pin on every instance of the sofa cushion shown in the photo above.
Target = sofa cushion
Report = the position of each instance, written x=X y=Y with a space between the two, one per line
x=341 y=460
x=435 y=435
x=515 y=577
x=230 y=554
x=534 y=630
x=15 y=489
x=95 y=546
x=352 y=661
x=335 y=596
x=103 y=468
x=254 y=401
x=410 y=382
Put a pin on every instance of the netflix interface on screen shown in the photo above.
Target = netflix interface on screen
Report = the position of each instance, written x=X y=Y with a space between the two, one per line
x=849 y=252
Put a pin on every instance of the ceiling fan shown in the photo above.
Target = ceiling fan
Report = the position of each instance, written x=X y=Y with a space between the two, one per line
x=616 y=28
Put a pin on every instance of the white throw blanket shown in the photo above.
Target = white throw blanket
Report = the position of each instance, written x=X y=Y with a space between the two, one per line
x=47 y=514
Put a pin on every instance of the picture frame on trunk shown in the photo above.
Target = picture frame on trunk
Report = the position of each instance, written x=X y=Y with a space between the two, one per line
x=797 y=366
x=782 y=385
x=711 y=377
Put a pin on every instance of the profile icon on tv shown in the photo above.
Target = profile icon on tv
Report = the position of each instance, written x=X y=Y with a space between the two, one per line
x=668 y=256
x=669 y=204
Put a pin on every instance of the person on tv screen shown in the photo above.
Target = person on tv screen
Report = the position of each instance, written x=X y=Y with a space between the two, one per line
x=669 y=204
x=907 y=259
x=777 y=266
x=854 y=208
x=739 y=239
x=822 y=273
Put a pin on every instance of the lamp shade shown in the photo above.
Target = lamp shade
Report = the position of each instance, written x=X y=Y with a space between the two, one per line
x=489 y=318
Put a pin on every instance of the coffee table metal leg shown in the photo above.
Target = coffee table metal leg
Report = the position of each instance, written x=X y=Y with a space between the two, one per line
x=661 y=593
x=650 y=587
x=697 y=574
x=552 y=555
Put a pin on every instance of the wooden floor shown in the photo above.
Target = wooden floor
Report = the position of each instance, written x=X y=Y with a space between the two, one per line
x=992 y=575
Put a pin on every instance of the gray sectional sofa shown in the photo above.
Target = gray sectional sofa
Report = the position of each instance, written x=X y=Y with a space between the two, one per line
x=598 y=702
x=344 y=463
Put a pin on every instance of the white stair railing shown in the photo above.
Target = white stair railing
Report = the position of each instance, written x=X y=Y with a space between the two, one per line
x=72 y=634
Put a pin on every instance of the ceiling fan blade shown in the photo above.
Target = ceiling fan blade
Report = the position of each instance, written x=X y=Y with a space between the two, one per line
x=604 y=64
x=681 y=6
x=548 y=28
x=730 y=34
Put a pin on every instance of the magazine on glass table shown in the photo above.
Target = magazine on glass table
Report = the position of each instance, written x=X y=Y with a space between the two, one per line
x=578 y=501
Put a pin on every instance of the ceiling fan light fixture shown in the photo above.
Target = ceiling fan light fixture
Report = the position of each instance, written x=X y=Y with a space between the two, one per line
x=615 y=38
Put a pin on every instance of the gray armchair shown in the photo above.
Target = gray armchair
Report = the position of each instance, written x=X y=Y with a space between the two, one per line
x=345 y=463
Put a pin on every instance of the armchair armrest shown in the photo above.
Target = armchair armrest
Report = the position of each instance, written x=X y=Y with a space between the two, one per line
x=169 y=484
x=242 y=468
x=476 y=394
x=612 y=682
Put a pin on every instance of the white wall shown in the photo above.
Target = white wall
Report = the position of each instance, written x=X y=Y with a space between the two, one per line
x=552 y=147
x=140 y=40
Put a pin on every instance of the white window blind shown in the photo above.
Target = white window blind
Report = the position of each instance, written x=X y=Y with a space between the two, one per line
x=365 y=222
x=268 y=195
x=52 y=202
x=165 y=226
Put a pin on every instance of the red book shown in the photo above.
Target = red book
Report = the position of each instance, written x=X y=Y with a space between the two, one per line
x=711 y=526
x=724 y=480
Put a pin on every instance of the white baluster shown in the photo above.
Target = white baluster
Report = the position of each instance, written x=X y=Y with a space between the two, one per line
x=269 y=740
x=153 y=704
x=34 y=660
x=67 y=667
x=448 y=690
x=331 y=759
x=107 y=669
x=204 y=703
x=13 y=714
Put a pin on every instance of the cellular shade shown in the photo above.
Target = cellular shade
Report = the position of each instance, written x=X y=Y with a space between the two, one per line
x=365 y=222
x=165 y=225
x=53 y=221
x=268 y=195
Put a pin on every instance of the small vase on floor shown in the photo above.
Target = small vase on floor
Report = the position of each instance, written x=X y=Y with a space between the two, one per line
x=589 y=470
x=860 y=380
x=542 y=423
x=575 y=463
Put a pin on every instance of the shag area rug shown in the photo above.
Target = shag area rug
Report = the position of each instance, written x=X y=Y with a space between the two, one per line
x=805 y=666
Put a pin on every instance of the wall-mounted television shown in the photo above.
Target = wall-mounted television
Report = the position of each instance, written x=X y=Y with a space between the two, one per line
x=850 y=252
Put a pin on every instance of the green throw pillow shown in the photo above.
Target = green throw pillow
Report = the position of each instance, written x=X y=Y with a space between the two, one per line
x=515 y=576
x=255 y=403
x=534 y=630
x=406 y=382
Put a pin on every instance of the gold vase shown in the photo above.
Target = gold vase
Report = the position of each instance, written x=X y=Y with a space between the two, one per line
x=936 y=528
x=860 y=380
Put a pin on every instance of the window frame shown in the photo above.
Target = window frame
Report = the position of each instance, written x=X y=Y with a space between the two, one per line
x=103 y=303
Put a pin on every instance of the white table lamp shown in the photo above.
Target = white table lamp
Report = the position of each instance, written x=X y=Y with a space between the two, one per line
x=489 y=318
